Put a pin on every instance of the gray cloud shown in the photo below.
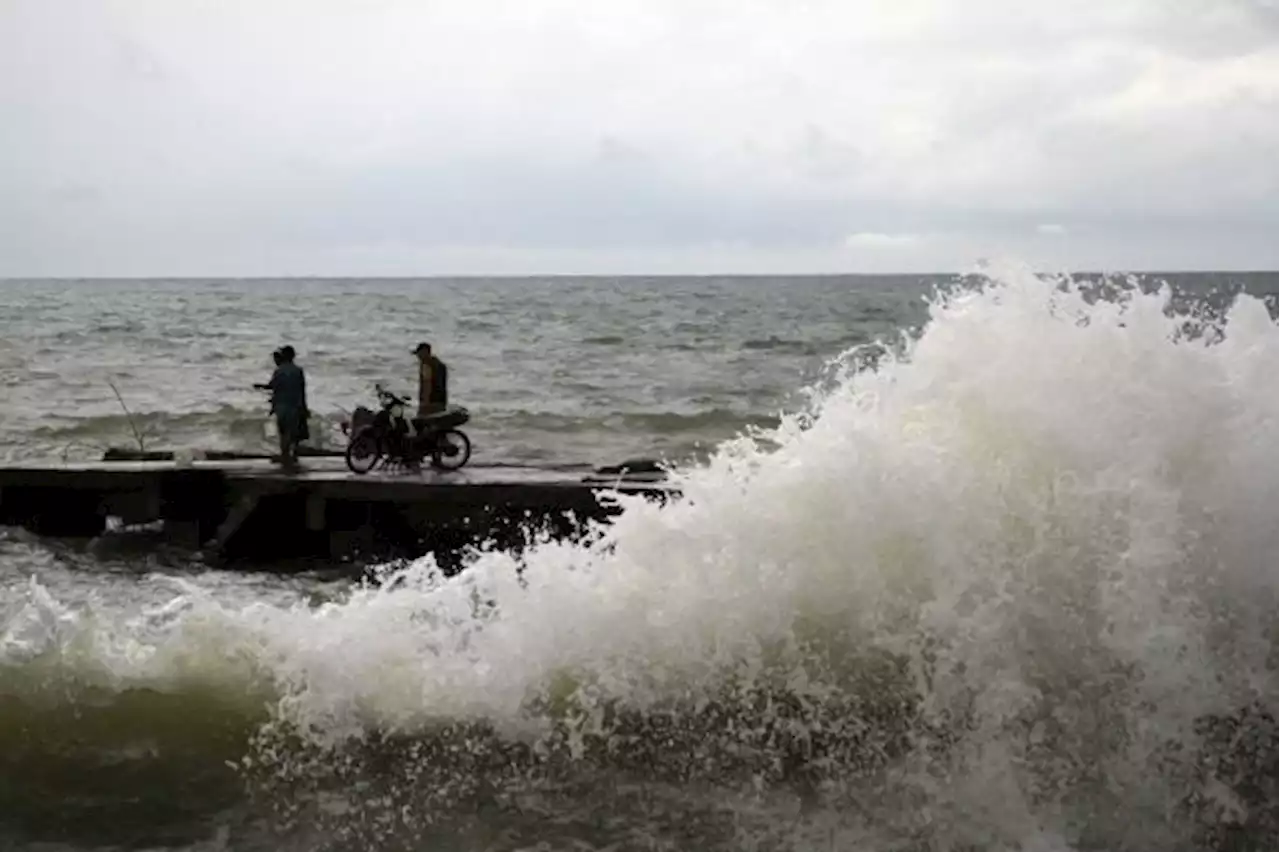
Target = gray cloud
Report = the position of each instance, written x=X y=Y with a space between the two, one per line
x=410 y=138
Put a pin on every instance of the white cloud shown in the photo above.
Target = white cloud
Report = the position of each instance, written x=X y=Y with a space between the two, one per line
x=866 y=239
x=1051 y=229
x=149 y=136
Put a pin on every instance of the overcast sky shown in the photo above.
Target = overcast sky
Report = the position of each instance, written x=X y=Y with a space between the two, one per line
x=270 y=137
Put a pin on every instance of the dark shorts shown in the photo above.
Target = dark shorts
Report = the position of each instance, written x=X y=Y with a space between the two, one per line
x=292 y=425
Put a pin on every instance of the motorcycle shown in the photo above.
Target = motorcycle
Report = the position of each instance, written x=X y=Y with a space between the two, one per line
x=389 y=439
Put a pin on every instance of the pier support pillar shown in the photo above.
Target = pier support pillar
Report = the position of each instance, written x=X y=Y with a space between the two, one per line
x=240 y=512
x=315 y=513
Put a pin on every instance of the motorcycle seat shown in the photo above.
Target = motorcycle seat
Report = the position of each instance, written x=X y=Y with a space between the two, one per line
x=451 y=418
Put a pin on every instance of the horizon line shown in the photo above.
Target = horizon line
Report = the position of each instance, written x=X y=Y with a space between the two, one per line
x=615 y=275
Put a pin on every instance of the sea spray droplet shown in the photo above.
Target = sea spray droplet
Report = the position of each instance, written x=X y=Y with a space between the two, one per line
x=42 y=626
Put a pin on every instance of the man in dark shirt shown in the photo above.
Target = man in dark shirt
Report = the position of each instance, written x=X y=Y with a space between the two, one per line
x=288 y=388
x=433 y=382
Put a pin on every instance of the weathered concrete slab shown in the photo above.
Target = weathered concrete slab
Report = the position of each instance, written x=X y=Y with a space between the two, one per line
x=315 y=470
x=252 y=509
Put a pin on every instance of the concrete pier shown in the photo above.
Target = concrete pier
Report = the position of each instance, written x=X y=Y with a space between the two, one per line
x=245 y=509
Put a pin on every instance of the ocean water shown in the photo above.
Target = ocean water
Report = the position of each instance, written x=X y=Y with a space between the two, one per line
x=991 y=566
x=556 y=371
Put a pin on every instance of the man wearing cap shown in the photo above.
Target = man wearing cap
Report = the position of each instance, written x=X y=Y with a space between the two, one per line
x=433 y=382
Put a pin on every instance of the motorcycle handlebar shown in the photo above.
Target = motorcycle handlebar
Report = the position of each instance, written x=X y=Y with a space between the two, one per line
x=383 y=392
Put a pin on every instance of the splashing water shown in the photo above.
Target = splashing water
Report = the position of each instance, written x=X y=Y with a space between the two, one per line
x=1015 y=587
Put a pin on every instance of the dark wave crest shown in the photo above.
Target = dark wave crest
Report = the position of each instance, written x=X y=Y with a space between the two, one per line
x=683 y=770
x=173 y=765
x=86 y=763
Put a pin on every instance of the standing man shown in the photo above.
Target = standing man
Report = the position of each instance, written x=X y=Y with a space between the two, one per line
x=275 y=357
x=288 y=387
x=433 y=382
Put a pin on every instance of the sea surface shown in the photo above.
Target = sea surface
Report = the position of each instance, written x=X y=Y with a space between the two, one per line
x=553 y=370
x=961 y=564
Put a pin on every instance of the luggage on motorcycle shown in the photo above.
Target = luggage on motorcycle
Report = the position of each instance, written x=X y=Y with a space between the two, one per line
x=451 y=418
x=360 y=418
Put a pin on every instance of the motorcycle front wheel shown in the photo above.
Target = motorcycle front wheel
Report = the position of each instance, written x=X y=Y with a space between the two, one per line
x=363 y=452
x=452 y=450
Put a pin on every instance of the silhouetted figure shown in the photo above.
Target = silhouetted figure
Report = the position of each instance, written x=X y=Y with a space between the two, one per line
x=278 y=359
x=433 y=382
x=288 y=388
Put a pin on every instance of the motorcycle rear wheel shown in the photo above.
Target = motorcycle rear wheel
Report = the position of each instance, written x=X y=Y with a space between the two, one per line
x=363 y=452
x=452 y=450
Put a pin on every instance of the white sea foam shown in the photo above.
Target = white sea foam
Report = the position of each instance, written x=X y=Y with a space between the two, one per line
x=1059 y=513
